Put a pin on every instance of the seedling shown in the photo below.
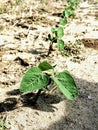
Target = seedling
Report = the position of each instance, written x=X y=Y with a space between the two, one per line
x=2 y=124
x=96 y=18
x=57 y=32
x=18 y=1
x=56 y=37
x=68 y=11
x=39 y=77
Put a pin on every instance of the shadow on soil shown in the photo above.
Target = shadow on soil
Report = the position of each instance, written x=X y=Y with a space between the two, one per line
x=39 y=51
x=44 y=103
x=82 y=111
x=36 y=51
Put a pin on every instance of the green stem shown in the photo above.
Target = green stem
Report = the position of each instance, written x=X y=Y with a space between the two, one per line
x=50 y=48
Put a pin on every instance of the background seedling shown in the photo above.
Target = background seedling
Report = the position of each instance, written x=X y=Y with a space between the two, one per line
x=18 y=1
x=57 y=32
x=56 y=37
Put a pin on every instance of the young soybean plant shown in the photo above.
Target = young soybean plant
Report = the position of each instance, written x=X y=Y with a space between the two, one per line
x=56 y=37
x=38 y=77
x=57 y=32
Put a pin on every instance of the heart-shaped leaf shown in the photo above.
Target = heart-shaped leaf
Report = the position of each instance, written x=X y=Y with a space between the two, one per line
x=60 y=44
x=66 y=84
x=60 y=32
x=53 y=29
x=63 y=21
x=33 y=79
x=45 y=66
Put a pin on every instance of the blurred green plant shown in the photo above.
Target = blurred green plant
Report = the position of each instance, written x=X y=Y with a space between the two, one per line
x=96 y=18
x=1 y=27
x=57 y=32
x=2 y=9
x=2 y=123
x=18 y=1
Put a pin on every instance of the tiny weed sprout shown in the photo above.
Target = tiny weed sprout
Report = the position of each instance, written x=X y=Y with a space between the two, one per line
x=2 y=124
x=38 y=77
x=19 y=1
x=57 y=32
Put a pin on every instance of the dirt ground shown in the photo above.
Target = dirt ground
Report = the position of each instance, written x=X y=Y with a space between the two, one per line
x=24 y=27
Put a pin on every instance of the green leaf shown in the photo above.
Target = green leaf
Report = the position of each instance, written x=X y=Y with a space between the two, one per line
x=60 y=32
x=45 y=66
x=67 y=13
x=33 y=79
x=63 y=21
x=53 y=29
x=18 y=1
x=66 y=84
x=60 y=44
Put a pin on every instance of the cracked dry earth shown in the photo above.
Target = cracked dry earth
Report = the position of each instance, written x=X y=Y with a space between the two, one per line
x=23 y=29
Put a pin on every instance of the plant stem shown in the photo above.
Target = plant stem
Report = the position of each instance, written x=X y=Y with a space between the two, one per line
x=50 y=48
x=36 y=96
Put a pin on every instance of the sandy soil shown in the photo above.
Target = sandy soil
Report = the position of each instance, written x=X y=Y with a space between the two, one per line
x=23 y=30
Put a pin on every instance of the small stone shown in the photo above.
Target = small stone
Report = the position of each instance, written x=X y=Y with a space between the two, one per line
x=89 y=97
